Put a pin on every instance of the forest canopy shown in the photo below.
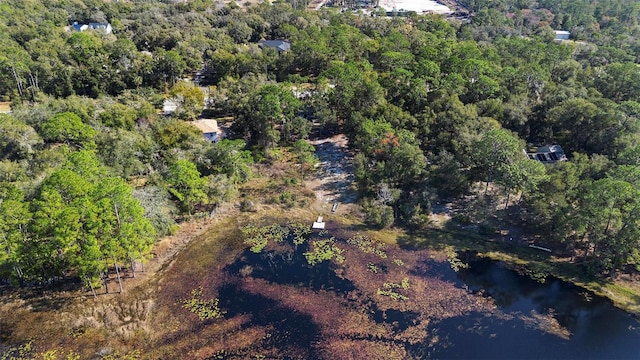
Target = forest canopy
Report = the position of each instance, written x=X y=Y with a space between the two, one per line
x=91 y=170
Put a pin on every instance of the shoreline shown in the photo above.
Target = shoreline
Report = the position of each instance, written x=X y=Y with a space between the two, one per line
x=622 y=294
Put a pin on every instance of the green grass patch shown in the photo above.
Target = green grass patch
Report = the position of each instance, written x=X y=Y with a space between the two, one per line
x=624 y=297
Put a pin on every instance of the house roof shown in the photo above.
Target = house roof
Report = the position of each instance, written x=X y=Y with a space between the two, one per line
x=106 y=27
x=548 y=154
x=99 y=25
x=280 y=45
x=207 y=126
x=550 y=148
x=79 y=27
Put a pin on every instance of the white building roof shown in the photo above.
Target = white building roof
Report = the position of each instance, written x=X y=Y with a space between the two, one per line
x=207 y=126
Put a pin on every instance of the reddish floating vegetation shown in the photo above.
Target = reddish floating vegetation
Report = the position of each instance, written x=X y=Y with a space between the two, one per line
x=374 y=302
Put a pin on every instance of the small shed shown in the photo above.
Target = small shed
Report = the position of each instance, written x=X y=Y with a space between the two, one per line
x=319 y=224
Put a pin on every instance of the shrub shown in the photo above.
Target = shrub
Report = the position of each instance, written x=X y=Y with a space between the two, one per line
x=247 y=205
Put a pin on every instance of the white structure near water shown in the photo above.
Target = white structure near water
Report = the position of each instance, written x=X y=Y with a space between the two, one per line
x=419 y=6
x=318 y=224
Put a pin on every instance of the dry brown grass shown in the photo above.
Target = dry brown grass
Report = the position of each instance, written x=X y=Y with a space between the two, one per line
x=5 y=107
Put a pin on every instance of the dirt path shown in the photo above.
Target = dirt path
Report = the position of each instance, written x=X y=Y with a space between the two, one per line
x=333 y=181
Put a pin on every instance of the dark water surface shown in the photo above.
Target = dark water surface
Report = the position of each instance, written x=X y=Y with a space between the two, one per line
x=535 y=320
x=594 y=328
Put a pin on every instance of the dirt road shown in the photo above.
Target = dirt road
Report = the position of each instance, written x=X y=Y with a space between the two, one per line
x=333 y=181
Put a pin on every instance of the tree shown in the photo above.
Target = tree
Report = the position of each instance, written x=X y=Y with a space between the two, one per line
x=128 y=153
x=189 y=98
x=168 y=67
x=618 y=81
x=86 y=164
x=90 y=71
x=497 y=153
x=17 y=140
x=269 y=110
x=455 y=127
x=229 y=157
x=239 y=31
x=524 y=176
x=220 y=63
x=157 y=208
x=119 y=116
x=131 y=236
x=447 y=176
x=177 y=134
x=68 y=128
x=14 y=220
x=15 y=74
x=83 y=222
x=551 y=209
x=630 y=156
x=533 y=173
x=304 y=152
x=356 y=89
x=609 y=219
x=296 y=129
x=186 y=184
x=59 y=211
x=126 y=65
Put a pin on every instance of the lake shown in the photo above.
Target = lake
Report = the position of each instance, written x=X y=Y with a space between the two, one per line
x=390 y=303
x=590 y=327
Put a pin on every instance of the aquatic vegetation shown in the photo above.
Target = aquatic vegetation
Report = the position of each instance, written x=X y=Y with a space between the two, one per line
x=455 y=262
x=368 y=245
x=300 y=232
x=324 y=250
x=205 y=309
x=344 y=295
x=258 y=237
x=547 y=322
x=392 y=290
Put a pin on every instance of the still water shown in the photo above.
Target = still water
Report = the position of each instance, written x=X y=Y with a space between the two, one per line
x=585 y=326
x=533 y=320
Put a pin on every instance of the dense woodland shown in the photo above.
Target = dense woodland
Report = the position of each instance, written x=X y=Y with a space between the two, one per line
x=91 y=173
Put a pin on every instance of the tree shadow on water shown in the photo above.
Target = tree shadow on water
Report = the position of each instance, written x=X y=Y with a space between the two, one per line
x=291 y=268
x=293 y=333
